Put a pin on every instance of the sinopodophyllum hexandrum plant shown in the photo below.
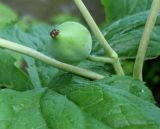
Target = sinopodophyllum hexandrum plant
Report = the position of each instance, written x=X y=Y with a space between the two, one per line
x=113 y=57
x=48 y=100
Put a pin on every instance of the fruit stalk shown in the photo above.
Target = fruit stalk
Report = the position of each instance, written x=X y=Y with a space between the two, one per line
x=37 y=55
x=100 y=59
x=99 y=35
x=138 y=66
x=106 y=60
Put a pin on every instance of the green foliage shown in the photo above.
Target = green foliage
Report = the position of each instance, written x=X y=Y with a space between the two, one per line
x=61 y=113
x=127 y=32
x=39 y=73
x=102 y=68
x=122 y=108
x=108 y=106
x=63 y=18
x=126 y=83
x=10 y=71
x=129 y=84
x=7 y=15
x=116 y=9
x=14 y=33
x=20 y=110
x=26 y=22
x=68 y=101
x=38 y=109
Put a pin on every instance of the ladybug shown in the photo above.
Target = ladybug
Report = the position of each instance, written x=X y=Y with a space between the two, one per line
x=54 y=33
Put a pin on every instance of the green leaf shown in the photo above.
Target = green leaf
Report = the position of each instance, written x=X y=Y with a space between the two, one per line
x=84 y=105
x=116 y=9
x=102 y=68
x=41 y=36
x=40 y=109
x=124 y=36
x=7 y=15
x=112 y=106
x=15 y=34
x=60 y=113
x=46 y=73
x=11 y=76
x=36 y=38
x=20 y=110
x=127 y=83
x=92 y=123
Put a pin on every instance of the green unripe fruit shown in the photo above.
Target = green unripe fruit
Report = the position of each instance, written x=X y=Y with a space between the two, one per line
x=71 y=42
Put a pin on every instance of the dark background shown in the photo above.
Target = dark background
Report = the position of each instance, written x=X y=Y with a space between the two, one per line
x=44 y=9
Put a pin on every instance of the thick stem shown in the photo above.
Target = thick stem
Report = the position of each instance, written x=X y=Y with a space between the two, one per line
x=138 y=67
x=98 y=34
x=37 y=55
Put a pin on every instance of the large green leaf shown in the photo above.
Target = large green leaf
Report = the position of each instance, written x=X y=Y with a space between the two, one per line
x=113 y=106
x=7 y=15
x=126 y=83
x=116 y=9
x=124 y=36
x=38 y=110
x=84 y=105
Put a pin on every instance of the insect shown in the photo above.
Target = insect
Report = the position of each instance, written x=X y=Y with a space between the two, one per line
x=54 y=33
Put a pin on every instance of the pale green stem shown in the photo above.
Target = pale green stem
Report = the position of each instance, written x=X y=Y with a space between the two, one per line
x=138 y=67
x=37 y=55
x=99 y=35
x=106 y=60
x=101 y=59
x=118 y=70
